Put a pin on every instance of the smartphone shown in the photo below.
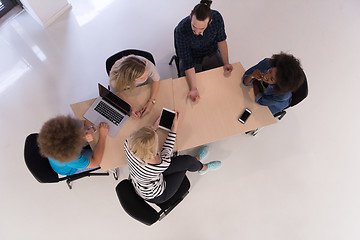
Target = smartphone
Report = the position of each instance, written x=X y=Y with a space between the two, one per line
x=244 y=116
x=166 y=119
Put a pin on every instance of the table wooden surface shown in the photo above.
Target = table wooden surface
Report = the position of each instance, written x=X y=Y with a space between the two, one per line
x=214 y=117
x=114 y=155
x=222 y=100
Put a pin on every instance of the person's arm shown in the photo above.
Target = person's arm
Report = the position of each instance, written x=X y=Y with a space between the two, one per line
x=256 y=74
x=191 y=79
x=184 y=53
x=223 y=48
x=256 y=88
x=247 y=80
x=275 y=103
x=154 y=90
x=96 y=159
x=175 y=122
x=90 y=129
x=168 y=146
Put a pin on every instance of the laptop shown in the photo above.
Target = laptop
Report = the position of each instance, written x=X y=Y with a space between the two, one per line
x=108 y=108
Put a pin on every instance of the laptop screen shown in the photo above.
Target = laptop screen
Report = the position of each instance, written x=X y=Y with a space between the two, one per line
x=114 y=100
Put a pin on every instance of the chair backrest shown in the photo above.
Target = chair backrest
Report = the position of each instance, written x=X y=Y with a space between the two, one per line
x=176 y=57
x=140 y=210
x=299 y=94
x=38 y=165
x=134 y=205
x=111 y=60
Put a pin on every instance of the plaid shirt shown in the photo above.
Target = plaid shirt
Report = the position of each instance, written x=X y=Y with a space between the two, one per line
x=191 y=48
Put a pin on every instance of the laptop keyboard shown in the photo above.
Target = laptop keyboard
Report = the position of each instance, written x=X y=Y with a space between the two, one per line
x=109 y=113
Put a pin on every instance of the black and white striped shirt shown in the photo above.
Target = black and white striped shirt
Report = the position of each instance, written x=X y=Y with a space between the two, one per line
x=148 y=180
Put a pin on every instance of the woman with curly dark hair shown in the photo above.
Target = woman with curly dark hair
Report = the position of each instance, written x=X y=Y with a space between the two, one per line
x=62 y=140
x=274 y=79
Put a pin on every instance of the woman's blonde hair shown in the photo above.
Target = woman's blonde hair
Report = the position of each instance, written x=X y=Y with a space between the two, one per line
x=61 y=138
x=144 y=144
x=125 y=74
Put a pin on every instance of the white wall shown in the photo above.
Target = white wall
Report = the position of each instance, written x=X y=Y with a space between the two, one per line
x=46 y=12
x=308 y=192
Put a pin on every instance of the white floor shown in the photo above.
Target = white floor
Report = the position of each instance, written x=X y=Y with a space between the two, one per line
x=297 y=179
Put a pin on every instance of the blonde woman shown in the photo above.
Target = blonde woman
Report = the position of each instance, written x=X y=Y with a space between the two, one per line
x=62 y=140
x=156 y=177
x=132 y=71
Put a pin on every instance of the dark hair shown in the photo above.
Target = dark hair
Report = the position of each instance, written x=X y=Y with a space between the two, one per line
x=61 y=138
x=289 y=74
x=202 y=11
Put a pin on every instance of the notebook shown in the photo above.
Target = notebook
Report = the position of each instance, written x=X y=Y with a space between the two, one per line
x=108 y=108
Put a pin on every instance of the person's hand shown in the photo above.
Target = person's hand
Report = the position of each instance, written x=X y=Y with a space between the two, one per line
x=89 y=137
x=155 y=126
x=257 y=74
x=175 y=122
x=146 y=108
x=228 y=68
x=103 y=129
x=87 y=124
x=135 y=113
x=193 y=95
x=90 y=130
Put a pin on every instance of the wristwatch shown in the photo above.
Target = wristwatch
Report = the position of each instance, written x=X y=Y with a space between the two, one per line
x=152 y=100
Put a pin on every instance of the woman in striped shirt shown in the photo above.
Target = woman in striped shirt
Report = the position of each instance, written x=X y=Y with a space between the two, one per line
x=156 y=177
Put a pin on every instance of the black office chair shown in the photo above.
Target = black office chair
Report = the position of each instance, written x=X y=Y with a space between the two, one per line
x=111 y=60
x=176 y=58
x=41 y=169
x=299 y=95
x=140 y=210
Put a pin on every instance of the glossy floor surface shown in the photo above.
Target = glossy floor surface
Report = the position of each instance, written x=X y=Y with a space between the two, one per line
x=297 y=179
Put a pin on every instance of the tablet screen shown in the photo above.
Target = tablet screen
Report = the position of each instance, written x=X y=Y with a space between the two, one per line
x=166 y=119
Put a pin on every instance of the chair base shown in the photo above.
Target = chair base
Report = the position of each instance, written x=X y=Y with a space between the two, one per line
x=253 y=132
x=278 y=116
x=70 y=179
x=172 y=59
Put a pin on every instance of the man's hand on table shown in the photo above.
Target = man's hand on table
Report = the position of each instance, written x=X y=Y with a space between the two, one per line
x=194 y=95
x=228 y=69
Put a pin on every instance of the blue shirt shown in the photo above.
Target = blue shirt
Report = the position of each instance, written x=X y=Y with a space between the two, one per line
x=192 y=48
x=275 y=102
x=69 y=168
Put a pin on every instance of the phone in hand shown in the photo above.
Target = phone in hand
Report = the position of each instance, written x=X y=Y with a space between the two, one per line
x=166 y=119
x=246 y=114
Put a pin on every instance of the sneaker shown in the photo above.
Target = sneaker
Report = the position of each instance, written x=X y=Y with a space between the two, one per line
x=203 y=152
x=214 y=165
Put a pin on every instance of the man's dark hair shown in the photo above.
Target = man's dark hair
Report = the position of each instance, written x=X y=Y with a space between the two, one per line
x=289 y=74
x=202 y=11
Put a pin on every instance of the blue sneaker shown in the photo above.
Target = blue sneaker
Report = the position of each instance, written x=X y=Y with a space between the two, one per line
x=214 y=165
x=203 y=152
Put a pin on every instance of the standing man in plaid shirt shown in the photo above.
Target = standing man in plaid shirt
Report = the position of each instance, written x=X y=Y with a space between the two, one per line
x=200 y=43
